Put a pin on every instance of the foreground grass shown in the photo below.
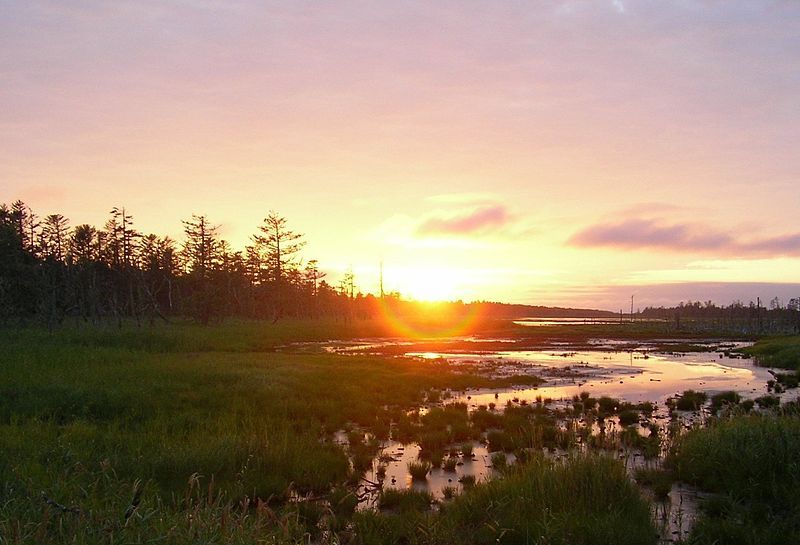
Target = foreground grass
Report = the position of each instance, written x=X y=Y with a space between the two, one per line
x=86 y=414
x=585 y=500
x=182 y=434
x=752 y=464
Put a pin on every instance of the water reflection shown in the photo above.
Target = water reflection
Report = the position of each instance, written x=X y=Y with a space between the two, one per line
x=394 y=458
x=650 y=372
x=633 y=376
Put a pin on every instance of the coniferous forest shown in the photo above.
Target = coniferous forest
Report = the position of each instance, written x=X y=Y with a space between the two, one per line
x=51 y=271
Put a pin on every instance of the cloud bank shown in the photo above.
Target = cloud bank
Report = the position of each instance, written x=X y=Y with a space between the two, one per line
x=654 y=234
x=618 y=297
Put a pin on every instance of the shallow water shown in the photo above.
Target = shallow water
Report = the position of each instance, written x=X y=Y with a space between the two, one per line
x=479 y=465
x=633 y=376
x=648 y=372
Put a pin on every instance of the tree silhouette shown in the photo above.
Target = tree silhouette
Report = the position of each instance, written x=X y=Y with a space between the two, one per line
x=50 y=273
x=54 y=237
x=276 y=248
x=200 y=251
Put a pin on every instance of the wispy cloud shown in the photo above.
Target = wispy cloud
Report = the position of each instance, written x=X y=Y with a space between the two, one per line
x=466 y=227
x=470 y=222
x=656 y=234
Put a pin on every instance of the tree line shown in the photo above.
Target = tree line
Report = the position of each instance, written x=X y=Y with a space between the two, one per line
x=776 y=316
x=50 y=272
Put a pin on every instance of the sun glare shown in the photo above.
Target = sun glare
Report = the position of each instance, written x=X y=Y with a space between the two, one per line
x=428 y=283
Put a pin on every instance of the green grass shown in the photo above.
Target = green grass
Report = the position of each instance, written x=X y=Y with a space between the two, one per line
x=182 y=336
x=782 y=352
x=628 y=417
x=691 y=400
x=582 y=501
x=184 y=434
x=405 y=500
x=499 y=461
x=752 y=463
x=419 y=470
x=658 y=480
x=721 y=400
x=85 y=413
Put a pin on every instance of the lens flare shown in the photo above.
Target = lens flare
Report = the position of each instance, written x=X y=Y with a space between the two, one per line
x=421 y=320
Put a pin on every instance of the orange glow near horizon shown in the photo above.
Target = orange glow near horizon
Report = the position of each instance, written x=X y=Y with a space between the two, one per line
x=429 y=320
x=526 y=152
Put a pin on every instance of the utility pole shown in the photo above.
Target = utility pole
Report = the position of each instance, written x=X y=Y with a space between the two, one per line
x=381 y=278
x=632 y=309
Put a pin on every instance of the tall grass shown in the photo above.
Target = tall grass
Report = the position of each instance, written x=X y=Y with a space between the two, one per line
x=753 y=464
x=783 y=352
x=585 y=500
x=92 y=507
x=86 y=412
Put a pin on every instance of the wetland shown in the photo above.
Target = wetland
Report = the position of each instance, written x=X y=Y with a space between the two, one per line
x=324 y=432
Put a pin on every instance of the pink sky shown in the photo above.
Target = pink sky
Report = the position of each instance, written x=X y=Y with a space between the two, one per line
x=544 y=152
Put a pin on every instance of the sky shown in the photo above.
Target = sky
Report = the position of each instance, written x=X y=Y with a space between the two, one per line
x=568 y=153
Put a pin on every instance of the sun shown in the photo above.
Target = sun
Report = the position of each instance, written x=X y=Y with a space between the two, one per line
x=427 y=283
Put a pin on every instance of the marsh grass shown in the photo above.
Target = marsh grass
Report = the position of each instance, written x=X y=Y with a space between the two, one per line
x=467 y=481
x=86 y=412
x=582 y=500
x=226 y=431
x=107 y=509
x=419 y=469
x=783 y=352
x=405 y=500
x=768 y=402
x=499 y=461
x=752 y=463
x=724 y=399
x=657 y=479
x=691 y=400
x=628 y=418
